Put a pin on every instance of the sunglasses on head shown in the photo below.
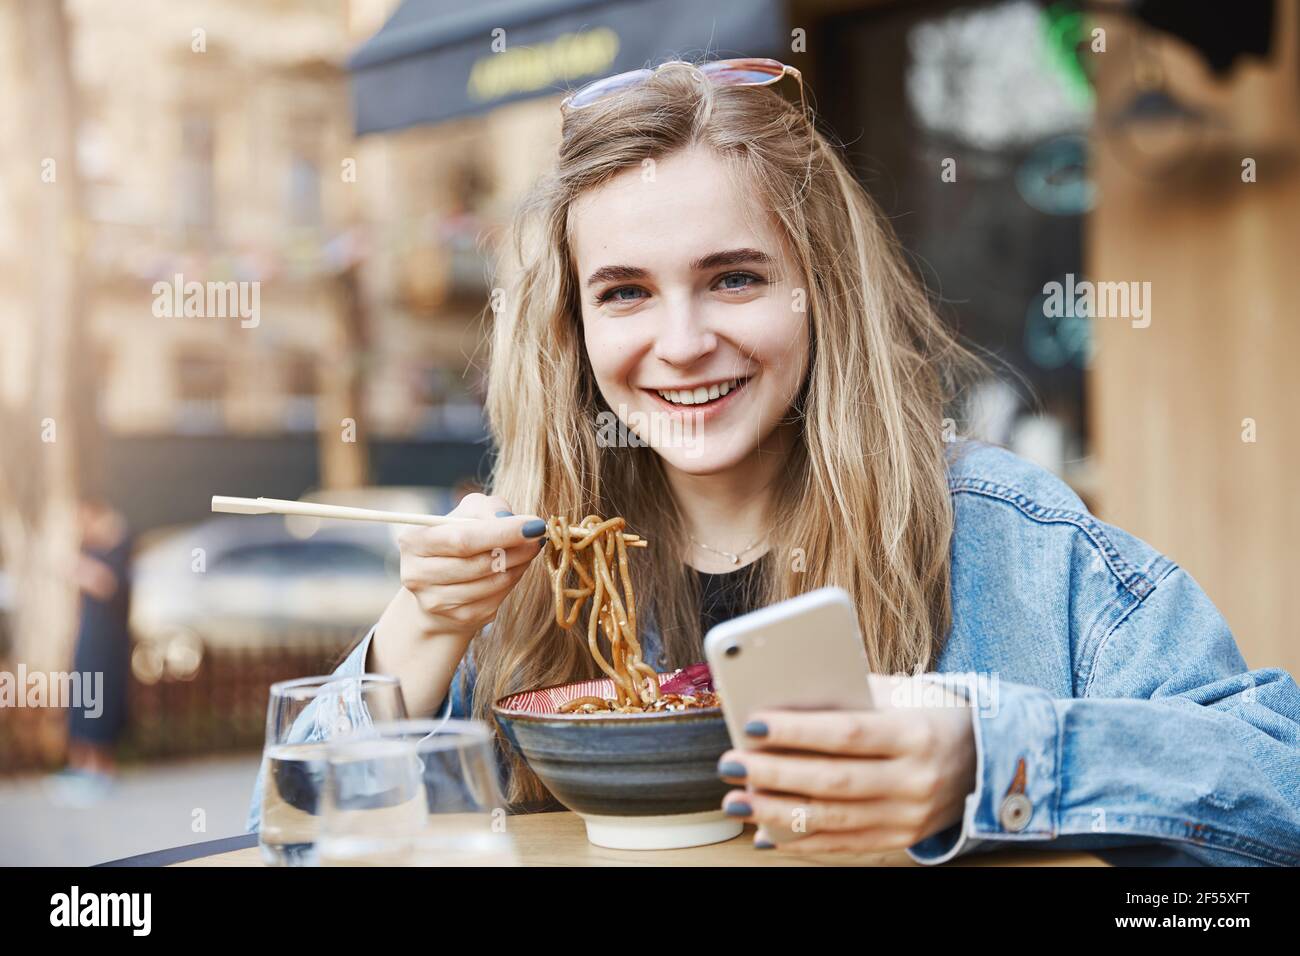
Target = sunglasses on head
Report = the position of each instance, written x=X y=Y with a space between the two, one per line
x=746 y=71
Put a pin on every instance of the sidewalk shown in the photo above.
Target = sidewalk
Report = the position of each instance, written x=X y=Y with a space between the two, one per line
x=152 y=807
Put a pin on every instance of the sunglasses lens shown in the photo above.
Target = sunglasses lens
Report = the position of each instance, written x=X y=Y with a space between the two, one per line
x=610 y=84
x=743 y=72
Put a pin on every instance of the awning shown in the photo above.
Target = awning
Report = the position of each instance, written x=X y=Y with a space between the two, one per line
x=439 y=59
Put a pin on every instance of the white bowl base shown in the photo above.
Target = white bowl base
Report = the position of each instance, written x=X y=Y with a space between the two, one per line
x=670 y=832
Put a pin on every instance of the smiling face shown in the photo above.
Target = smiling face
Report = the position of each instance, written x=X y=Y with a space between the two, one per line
x=688 y=311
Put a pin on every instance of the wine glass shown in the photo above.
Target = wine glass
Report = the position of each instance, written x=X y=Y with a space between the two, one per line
x=304 y=715
x=414 y=793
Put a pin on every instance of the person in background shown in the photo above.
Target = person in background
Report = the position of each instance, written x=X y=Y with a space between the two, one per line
x=103 y=646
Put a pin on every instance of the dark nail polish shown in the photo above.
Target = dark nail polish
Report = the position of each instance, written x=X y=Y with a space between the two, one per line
x=756 y=728
x=762 y=843
x=534 y=528
x=729 y=768
x=738 y=808
x=505 y=514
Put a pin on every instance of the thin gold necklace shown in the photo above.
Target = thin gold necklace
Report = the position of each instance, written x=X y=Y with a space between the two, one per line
x=733 y=555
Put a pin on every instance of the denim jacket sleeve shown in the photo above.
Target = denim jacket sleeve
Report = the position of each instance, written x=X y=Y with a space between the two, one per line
x=1172 y=739
x=456 y=704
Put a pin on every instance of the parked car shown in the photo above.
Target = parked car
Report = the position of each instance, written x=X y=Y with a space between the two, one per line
x=267 y=581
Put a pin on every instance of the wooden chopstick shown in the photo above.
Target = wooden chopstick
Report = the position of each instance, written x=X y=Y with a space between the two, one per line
x=278 y=506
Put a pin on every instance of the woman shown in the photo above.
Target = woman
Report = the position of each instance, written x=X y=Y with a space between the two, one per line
x=702 y=257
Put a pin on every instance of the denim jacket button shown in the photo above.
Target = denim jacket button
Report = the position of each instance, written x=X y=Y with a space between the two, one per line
x=1015 y=812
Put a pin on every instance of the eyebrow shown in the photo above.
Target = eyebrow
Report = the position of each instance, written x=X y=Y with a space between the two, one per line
x=714 y=260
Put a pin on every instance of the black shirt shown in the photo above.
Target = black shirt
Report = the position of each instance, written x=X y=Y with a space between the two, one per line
x=727 y=594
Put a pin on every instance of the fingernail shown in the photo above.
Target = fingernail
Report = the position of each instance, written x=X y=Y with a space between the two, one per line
x=756 y=728
x=738 y=808
x=763 y=843
x=505 y=514
x=729 y=768
x=534 y=528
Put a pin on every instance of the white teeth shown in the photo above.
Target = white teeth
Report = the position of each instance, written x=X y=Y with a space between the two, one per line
x=699 y=396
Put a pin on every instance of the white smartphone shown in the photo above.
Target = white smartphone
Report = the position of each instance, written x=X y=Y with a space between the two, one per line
x=802 y=654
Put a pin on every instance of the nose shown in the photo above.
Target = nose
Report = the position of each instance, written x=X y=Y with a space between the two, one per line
x=684 y=337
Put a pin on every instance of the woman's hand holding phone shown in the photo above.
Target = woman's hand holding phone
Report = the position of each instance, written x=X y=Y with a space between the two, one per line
x=856 y=781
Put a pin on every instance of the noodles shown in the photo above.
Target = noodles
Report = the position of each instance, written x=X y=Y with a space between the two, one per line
x=597 y=555
x=595 y=552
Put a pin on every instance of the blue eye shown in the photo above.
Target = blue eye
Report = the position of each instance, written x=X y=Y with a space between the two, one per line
x=750 y=280
x=613 y=294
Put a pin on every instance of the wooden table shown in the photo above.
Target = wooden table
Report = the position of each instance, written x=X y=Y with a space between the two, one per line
x=559 y=839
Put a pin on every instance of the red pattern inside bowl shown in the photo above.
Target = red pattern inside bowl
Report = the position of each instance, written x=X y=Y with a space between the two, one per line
x=548 y=700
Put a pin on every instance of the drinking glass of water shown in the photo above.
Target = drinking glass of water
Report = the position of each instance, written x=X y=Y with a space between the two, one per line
x=414 y=793
x=303 y=717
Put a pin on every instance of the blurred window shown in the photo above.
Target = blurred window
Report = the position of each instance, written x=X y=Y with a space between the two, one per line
x=302 y=195
x=300 y=392
x=196 y=194
x=968 y=123
x=201 y=382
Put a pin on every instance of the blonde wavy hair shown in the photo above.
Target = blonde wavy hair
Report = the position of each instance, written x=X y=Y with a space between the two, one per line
x=863 y=498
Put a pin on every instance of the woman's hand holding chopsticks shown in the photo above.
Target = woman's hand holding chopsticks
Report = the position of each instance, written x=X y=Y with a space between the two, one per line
x=454 y=578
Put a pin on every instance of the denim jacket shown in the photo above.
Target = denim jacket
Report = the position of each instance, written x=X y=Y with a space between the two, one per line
x=1109 y=702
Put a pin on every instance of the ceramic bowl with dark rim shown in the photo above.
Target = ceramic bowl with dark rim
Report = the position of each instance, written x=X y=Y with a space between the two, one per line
x=639 y=781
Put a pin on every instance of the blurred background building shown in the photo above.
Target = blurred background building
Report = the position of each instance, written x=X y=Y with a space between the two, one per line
x=357 y=161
